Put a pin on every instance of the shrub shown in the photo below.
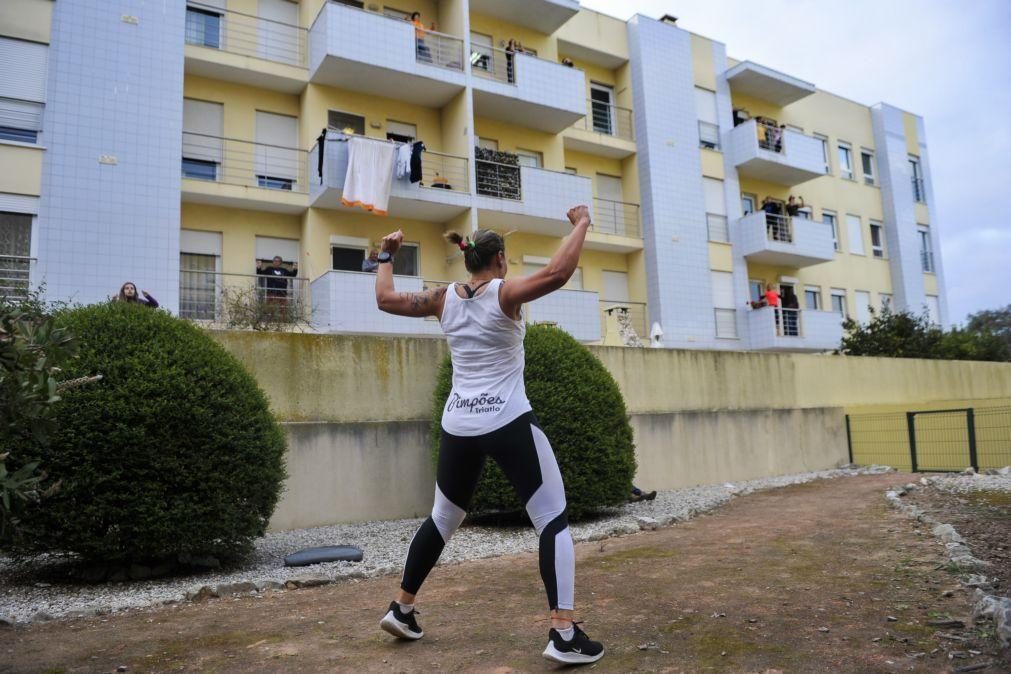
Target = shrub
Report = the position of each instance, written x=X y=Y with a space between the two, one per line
x=174 y=452
x=581 y=411
x=901 y=334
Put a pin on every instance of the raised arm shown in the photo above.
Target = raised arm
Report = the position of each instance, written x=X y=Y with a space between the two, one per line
x=555 y=274
x=425 y=303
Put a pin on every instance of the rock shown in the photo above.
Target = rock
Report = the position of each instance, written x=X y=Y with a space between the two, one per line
x=1006 y=470
x=203 y=592
x=121 y=668
x=80 y=613
x=823 y=629
x=909 y=487
x=969 y=471
x=891 y=619
x=647 y=523
x=623 y=529
x=307 y=581
x=93 y=573
x=240 y=587
x=949 y=622
x=199 y=561
x=6 y=621
x=977 y=580
x=41 y=617
x=140 y=572
x=947 y=533
x=262 y=585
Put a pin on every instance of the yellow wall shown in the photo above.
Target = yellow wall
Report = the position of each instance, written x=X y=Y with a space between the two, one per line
x=712 y=164
x=20 y=169
x=501 y=32
x=26 y=19
x=599 y=32
x=240 y=103
x=239 y=229
x=721 y=256
x=511 y=138
x=703 y=66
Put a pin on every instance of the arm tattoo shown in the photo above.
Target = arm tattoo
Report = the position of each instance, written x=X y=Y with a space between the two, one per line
x=424 y=300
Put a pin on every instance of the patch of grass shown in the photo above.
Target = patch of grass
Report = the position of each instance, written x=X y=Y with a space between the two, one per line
x=637 y=553
x=990 y=498
x=710 y=647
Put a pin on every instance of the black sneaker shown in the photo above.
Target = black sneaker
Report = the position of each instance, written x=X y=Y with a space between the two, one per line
x=401 y=625
x=579 y=650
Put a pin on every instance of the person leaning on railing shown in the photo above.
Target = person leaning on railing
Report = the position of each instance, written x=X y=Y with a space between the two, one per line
x=277 y=278
x=424 y=53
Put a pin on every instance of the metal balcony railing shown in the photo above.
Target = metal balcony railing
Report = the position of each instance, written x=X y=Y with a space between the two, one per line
x=240 y=162
x=497 y=180
x=716 y=225
x=709 y=135
x=770 y=136
x=607 y=119
x=726 y=323
x=779 y=228
x=444 y=171
x=493 y=63
x=15 y=272
x=439 y=49
x=245 y=34
x=616 y=217
x=224 y=298
x=638 y=318
x=919 y=192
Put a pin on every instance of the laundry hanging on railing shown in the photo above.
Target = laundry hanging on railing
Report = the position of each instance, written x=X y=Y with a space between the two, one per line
x=416 y=149
x=369 y=174
x=403 y=160
x=320 y=150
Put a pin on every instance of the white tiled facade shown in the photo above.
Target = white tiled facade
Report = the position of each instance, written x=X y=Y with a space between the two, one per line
x=814 y=331
x=345 y=301
x=575 y=311
x=811 y=241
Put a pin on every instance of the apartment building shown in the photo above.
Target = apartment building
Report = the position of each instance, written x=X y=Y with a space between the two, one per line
x=184 y=145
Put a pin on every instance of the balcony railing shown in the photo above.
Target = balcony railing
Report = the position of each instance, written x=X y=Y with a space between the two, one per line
x=240 y=162
x=779 y=228
x=638 y=319
x=15 y=272
x=444 y=171
x=242 y=298
x=770 y=136
x=439 y=49
x=616 y=217
x=919 y=192
x=501 y=181
x=493 y=63
x=245 y=34
x=709 y=135
x=716 y=225
x=927 y=261
x=607 y=119
x=726 y=323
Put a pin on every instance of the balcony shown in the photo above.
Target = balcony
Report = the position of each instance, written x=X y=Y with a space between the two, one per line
x=765 y=84
x=527 y=91
x=575 y=311
x=783 y=156
x=784 y=241
x=243 y=300
x=615 y=227
x=605 y=130
x=345 y=302
x=773 y=329
x=619 y=319
x=244 y=48
x=370 y=53
x=543 y=16
x=528 y=199
x=442 y=194
x=15 y=275
x=243 y=174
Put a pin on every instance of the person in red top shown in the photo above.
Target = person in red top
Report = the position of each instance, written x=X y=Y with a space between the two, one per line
x=424 y=53
x=771 y=296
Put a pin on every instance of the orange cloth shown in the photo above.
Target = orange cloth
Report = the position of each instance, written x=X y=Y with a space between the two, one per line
x=419 y=29
x=772 y=298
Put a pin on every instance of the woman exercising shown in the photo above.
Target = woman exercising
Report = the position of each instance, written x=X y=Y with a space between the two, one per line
x=488 y=414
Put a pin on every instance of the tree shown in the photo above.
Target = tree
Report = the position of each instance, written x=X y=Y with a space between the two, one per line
x=902 y=334
x=995 y=321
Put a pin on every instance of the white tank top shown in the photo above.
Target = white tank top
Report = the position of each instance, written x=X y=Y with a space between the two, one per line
x=487 y=351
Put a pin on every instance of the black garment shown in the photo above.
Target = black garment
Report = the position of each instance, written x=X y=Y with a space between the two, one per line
x=276 y=278
x=321 y=145
x=416 y=151
x=792 y=209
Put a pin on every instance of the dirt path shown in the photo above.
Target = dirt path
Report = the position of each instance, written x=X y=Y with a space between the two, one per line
x=801 y=579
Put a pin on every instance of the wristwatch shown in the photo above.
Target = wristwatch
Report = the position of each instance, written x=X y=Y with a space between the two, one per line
x=385 y=257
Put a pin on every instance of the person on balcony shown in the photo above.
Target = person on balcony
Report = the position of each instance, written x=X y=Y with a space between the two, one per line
x=371 y=263
x=773 y=214
x=793 y=206
x=488 y=414
x=791 y=312
x=276 y=283
x=128 y=293
x=424 y=53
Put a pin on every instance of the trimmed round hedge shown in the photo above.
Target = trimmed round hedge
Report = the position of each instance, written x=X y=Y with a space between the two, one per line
x=174 y=452
x=581 y=410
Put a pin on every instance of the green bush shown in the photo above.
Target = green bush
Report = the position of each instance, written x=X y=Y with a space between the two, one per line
x=903 y=334
x=174 y=452
x=581 y=411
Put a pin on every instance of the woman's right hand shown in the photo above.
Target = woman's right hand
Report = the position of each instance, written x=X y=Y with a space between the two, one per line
x=391 y=242
x=579 y=213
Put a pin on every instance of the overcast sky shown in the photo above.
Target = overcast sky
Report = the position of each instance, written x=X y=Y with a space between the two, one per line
x=947 y=60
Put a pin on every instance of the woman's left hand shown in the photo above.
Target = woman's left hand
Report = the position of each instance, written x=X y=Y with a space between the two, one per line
x=391 y=242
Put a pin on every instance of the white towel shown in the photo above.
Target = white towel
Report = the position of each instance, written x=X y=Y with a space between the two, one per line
x=404 y=160
x=370 y=174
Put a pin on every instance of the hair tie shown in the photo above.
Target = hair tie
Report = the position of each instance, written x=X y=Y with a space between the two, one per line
x=471 y=244
x=463 y=245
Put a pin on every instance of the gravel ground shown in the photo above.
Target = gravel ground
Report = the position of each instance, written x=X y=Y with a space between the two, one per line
x=24 y=598
x=961 y=484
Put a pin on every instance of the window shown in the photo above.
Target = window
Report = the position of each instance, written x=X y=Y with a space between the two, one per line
x=824 y=151
x=530 y=158
x=487 y=143
x=602 y=108
x=481 y=52
x=202 y=150
x=533 y=264
x=723 y=304
x=203 y=27
x=839 y=301
x=716 y=210
x=886 y=301
x=198 y=286
x=856 y=235
x=867 y=161
x=346 y=122
x=748 y=202
x=845 y=161
x=812 y=298
x=360 y=4
x=16 y=134
x=394 y=13
x=828 y=217
x=407 y=261
x=23 y=67
x=200 y=169
x=877 y=240
x=15 y=251
x=926 y=254
x=401 y=132
x=346 y=258
x=756 y=290
x=277 y=160
x=934 y=309
x=862 y=300
x=709 y=126
x=919 y=193
x=571 y=171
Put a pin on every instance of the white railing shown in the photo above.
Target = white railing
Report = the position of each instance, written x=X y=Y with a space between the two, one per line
x=501 y=181
x=493 y=63
x=224 y=298
x=15 y=272
x=726 y=323
x=240 y=162
x=607 y=119
x=709 y=135
x=444 y=171
x=779 y=228
x=716 y=225
x=439 y=49
x=770 y=136
x=245 y=34
x=616 y=217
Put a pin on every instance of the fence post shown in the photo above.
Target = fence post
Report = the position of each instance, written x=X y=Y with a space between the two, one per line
x=911 y=424
x=849 y=438
x=970 y=420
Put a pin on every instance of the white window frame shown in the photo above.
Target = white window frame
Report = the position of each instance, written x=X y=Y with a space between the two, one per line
x=855 y=234
x=537 y=156
x=926 y=250
x=845 y=151
x=754 y=283
x=753 y=198
x=869 y=178
x=487 y=143
x=877 y=249
x=834 y=224
x=392 y=125
x=816 y=290
x=857 y=305
x=825 y=155
x=416 y=247
x=839 y=293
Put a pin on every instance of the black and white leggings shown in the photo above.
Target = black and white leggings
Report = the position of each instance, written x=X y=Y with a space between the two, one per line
x=523 y=452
